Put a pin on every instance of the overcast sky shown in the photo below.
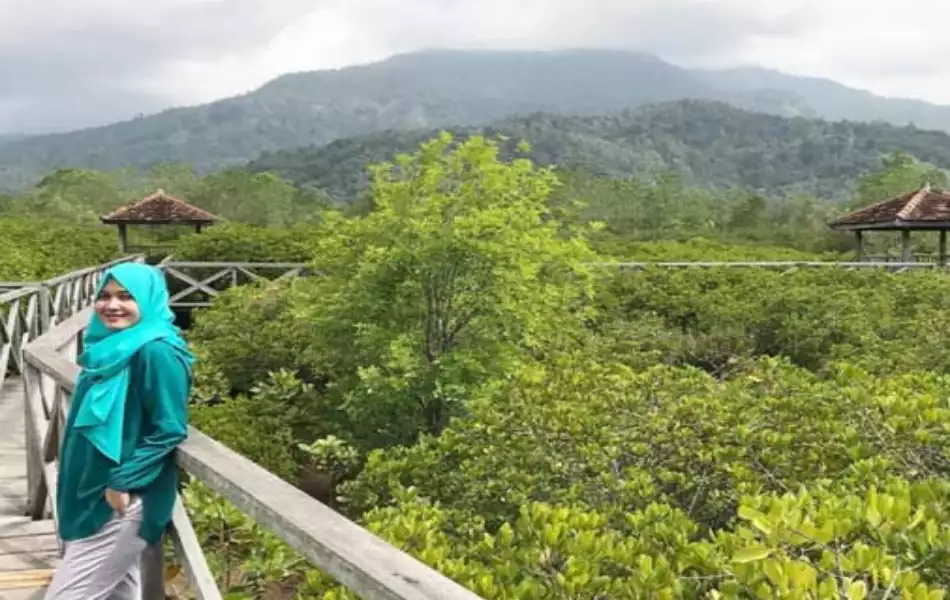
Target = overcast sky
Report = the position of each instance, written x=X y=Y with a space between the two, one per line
x=69 y=63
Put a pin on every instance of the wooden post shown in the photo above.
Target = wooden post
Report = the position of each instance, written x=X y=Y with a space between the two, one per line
x=153 y=572
x=44 y=305
x=859 y=237
x=943 y=248
x=123 y=237
x=34 y=471
x=905 y=245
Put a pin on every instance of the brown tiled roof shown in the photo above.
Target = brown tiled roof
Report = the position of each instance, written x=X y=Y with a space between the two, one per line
x=159 y=208
x=927 y=205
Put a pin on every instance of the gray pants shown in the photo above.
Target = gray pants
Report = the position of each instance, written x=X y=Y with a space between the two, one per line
x=105 y=565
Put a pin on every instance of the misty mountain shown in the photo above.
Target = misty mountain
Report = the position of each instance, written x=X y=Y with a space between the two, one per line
x=434 y=89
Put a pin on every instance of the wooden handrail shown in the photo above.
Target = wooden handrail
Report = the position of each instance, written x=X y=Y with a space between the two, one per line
x=352 y=555
x=31 y=308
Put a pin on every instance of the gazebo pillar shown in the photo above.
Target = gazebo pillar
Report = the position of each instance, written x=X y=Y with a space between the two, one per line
x=859 y=238
x=943 y=248
x=123 y=237
x=905 y=245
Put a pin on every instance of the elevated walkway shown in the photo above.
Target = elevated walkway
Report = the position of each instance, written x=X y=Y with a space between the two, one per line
x=41 y=324
x=28 y=548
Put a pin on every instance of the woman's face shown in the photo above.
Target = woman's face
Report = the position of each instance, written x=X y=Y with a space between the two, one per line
x=116 y=307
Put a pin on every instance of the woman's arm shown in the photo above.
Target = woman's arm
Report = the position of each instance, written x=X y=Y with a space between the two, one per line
x=164 y=385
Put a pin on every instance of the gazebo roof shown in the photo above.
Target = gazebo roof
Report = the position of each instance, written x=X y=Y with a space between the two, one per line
x=159 y=208
x=924 y=208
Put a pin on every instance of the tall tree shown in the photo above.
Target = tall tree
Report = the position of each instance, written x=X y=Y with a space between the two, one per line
x=441 y=290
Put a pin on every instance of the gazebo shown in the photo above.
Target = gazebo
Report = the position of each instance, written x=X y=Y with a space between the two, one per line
x=159 y=208
x=924 y=209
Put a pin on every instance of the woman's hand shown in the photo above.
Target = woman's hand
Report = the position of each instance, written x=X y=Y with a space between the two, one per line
x=119 y=501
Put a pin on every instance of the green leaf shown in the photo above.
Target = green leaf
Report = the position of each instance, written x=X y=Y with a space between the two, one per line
x=752 y=554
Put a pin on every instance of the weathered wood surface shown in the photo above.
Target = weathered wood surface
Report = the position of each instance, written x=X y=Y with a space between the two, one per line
x=28 y=549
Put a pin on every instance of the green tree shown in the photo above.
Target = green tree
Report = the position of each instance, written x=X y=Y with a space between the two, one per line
x=899 y=173
x=263 y=199
x=439 y=292
x=74 y=195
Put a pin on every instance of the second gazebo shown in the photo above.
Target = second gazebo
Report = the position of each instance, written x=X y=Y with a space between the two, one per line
x=157 y=209
x=924 y=209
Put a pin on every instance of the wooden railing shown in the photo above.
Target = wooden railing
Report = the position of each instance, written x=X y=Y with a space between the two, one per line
x=356 y=558
x=29 y=309
x=195 y=284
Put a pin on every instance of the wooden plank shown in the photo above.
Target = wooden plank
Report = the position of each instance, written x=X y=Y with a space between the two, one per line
x=356 y=558
x=192 y=556
x=24 y=562
x=14 y=526
x=205 y=283
x=29 y=544
x=12 y=462
x=25 y=578
x=196 y=286
x=12 y=505
x=13 y=486
x=26 y=593
x=13 y=475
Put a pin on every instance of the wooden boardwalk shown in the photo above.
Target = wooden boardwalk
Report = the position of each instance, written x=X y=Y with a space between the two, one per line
x=28 y=549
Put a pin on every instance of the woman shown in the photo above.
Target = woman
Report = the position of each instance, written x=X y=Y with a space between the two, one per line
x=117 y=476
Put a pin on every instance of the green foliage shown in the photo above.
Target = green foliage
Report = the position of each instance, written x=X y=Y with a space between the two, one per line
x=884 y=322
x=36 y=250
x=240 y=242
x=664 y=208
x=253 y=330
x=272 y=408
x=456 y=379
x=261 y=199
x=900 y=173
x=581 y=475
x=587 y=480
x=437 y=292
x=698 y=249
x=80 y=196
x=419 y=306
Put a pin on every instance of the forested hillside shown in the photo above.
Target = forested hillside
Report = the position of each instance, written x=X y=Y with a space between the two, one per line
x=431 y=90
x=709 y=144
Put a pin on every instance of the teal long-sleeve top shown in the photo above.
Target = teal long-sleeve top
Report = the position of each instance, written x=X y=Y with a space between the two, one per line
x=156 y=422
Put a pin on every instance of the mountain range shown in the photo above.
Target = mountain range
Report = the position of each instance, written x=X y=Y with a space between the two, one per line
x=709 y=144
x=435 y=89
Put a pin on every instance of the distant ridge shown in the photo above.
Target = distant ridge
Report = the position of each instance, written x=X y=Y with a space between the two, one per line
x=435 y=88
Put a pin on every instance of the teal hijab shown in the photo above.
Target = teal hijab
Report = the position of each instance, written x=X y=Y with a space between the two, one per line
x=107 y=354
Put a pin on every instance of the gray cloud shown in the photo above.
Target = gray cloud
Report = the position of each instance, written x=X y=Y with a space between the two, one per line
x=96 y=61
x=91 y=63
x=674 y=28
